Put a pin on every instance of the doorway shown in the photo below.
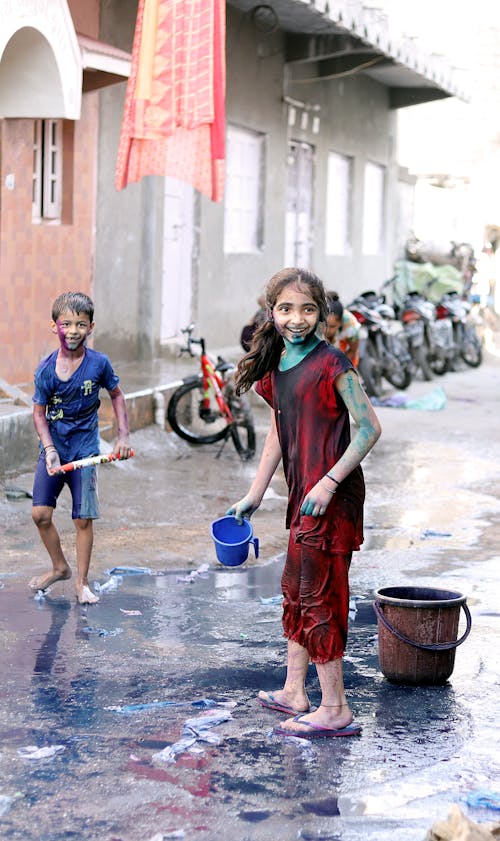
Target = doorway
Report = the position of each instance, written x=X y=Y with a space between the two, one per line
x=299 y=202
x=177 y=258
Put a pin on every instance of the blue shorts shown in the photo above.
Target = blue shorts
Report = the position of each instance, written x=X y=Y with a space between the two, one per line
x=82 y=484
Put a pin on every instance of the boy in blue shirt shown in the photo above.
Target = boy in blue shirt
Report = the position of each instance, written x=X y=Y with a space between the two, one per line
x=66 y=401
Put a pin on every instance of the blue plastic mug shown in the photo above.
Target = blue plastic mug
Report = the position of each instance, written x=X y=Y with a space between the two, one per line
x=232 y=540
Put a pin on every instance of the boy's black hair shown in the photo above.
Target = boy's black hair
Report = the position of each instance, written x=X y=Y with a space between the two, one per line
x=74 y=301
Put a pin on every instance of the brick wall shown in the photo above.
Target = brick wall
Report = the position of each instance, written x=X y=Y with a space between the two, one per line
x=39 y=261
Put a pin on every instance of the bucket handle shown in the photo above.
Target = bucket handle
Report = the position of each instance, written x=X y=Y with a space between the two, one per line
x=436 y=646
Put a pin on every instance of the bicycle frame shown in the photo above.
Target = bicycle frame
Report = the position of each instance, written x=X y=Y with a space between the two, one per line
x=211 y=377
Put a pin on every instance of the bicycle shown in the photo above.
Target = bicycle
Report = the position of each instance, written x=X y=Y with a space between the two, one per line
x=206 y=409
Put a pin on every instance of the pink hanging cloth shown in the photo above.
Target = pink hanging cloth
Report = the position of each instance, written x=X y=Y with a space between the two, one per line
x=174 y=116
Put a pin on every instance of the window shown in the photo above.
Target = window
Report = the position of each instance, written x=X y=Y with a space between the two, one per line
x=243 y=193
x=373 y=211
x=299 y=204
x=338 y=205
x=47 y=170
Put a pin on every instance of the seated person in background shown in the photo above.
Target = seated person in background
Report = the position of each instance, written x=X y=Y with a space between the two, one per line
x=342 y=328
x=250 y=328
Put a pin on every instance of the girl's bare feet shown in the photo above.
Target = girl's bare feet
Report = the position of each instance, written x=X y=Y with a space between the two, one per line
x=42 y=582
x=85 y=595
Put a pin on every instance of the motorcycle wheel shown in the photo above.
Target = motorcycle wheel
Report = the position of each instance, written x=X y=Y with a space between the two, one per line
x=398 y=373
x=421 y=357
x=369 y=370
x=471 y=350
x=439 y=366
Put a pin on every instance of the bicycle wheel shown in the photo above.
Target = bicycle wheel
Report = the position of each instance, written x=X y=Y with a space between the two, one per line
x=243 y=428
x=190 y=420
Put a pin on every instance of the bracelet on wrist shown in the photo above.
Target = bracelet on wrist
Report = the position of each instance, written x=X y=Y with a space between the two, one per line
x=332 y=478
x=48 y=448
x=327 y=489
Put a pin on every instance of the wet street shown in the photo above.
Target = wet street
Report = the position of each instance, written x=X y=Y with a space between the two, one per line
x=136 y=719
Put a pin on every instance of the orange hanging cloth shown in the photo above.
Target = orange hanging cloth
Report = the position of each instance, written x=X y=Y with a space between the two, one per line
x=174 y=116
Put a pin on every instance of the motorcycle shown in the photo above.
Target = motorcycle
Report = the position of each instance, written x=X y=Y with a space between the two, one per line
x=383 y=351
x=466 y=342
x=430 y=340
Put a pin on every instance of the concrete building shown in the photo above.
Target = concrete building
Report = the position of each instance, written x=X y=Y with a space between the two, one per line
x=313 y=93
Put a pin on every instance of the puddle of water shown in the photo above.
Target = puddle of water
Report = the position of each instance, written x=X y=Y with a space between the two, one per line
x=67 y=668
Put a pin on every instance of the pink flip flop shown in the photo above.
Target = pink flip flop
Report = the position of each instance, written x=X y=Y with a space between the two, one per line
x=317 y=731
x=271 y=703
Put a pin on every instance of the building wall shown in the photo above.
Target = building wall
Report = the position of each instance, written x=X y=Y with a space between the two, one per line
x=129 y=222
x=355 y=120
x=230 y=284
x=39 y=261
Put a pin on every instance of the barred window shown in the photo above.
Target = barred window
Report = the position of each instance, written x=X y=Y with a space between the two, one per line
x=47 y=170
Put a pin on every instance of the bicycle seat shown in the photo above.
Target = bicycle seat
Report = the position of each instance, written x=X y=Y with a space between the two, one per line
x=223 y=366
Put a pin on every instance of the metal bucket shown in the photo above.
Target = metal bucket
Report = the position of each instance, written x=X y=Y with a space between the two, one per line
x=417 y=633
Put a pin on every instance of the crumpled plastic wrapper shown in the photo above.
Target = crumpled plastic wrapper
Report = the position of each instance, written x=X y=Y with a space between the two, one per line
x=460 y=828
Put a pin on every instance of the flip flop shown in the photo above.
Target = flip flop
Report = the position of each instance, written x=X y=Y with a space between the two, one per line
x=317 y=731
x=271 y=703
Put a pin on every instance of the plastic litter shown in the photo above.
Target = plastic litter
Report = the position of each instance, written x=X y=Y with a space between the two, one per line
x=206 y=721
x=394 y=401
x=271 y=599
x=169 y=753
x=153 y=705
x=194 y=730
x=129 y=571
x=434 y=401
x=130 y=612
x=193 y=575
x=482 y=799
x=108 y=586
x=431 y=533
x=166 y=836
x=33 y=752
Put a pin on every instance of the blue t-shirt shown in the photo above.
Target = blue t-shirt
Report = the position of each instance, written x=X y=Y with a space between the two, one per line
x=71 y=405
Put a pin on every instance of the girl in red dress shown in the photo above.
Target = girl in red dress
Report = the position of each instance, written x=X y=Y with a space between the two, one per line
x=312 y=389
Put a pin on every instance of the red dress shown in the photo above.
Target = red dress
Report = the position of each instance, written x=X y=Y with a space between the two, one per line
x=314 y=431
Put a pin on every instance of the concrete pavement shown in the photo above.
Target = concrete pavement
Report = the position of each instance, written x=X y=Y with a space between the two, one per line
x=432 y=519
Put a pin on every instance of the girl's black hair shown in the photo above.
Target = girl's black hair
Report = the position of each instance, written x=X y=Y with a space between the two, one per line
x=75 y=302
x=267 y=344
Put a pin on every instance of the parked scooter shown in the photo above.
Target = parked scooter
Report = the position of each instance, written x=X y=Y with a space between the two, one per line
x=383 y=351
x=466 y=342
x=430 y=340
